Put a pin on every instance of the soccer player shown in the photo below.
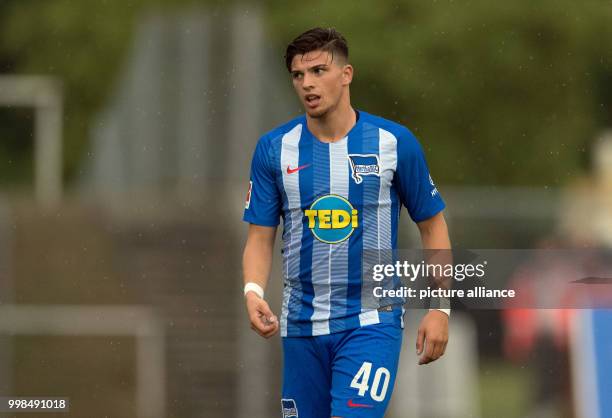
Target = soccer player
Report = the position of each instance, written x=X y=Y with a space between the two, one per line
x=338 y=178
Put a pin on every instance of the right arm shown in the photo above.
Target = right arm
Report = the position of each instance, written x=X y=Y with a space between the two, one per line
x=256 y=265
x=262 y=212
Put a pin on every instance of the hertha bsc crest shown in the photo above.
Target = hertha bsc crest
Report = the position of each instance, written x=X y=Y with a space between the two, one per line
x=364 y=165
x=289 y=408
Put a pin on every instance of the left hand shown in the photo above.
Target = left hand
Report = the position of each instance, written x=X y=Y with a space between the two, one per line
x=432 y=336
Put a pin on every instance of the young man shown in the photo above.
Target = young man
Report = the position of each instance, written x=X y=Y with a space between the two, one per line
x=338 y=178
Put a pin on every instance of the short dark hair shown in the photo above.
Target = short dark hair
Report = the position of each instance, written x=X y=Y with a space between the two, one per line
x=317 y=38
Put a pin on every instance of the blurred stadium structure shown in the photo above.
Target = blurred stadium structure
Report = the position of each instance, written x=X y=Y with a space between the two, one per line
x=45 y=95
x=156 y=222
x=171 y=129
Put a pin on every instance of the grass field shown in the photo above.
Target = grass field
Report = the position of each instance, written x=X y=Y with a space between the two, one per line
x=504 y=389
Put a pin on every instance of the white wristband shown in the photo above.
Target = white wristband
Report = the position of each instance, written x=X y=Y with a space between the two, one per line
x=446 y=311
x=254 y=287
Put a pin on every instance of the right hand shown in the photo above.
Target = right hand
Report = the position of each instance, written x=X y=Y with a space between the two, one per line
x=263 y=321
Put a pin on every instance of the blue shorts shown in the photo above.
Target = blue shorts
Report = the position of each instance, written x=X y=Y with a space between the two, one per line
x=345 y=374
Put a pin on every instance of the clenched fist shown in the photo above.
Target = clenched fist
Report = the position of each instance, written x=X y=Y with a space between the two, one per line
x=432 y=336
x=263 y=321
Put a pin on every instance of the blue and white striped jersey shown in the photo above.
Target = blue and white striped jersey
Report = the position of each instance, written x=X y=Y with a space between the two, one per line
x=337 y=201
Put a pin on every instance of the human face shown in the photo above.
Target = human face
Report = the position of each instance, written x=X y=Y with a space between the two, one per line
x=319 y=82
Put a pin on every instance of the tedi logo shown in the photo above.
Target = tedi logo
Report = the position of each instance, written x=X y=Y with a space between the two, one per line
x=332 y=219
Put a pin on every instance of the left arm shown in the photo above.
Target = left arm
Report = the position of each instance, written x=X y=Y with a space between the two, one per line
x=421 y=198
x=434 y=233
x=432 y=334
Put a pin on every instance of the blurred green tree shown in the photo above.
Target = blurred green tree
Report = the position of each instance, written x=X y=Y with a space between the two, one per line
x=83 y=43
x=80 y=42
x=499 y=93
x=502 y=93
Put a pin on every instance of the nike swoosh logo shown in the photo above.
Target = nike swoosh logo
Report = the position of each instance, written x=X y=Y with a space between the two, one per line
x=295 y=170
x=352 y=404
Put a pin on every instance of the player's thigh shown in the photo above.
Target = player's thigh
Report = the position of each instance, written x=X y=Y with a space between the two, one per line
x=364 y=370
x=306 y=378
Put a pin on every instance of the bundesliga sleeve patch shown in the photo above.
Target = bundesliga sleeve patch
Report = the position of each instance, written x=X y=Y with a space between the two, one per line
x=248 y=196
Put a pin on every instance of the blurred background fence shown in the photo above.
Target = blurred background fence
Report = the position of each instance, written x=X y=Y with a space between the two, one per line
x=135 y=210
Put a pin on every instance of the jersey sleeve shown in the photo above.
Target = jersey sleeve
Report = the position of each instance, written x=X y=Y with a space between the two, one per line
x=417 y=190
x=263 y=200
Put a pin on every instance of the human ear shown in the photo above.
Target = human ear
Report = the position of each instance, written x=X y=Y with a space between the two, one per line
x=347 y=74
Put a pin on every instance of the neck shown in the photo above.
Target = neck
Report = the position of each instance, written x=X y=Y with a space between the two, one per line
x=335 y=124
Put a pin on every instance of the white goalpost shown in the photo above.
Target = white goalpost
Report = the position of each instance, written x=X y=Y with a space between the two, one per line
x=45 y=95
x=103 y=320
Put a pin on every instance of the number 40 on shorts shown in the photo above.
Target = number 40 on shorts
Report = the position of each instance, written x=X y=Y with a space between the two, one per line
x=380 y=384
